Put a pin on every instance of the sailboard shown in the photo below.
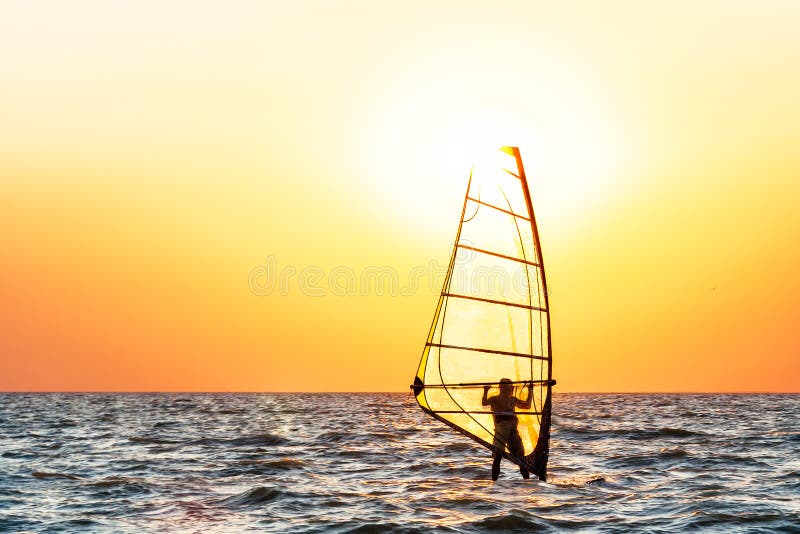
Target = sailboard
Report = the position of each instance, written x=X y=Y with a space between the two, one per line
x=492 y=319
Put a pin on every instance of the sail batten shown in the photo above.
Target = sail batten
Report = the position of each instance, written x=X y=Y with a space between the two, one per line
x=491 y=351
x=489 y=412
x=490 y=253
x=493 y=303
x=481 y=384
x=498 y=208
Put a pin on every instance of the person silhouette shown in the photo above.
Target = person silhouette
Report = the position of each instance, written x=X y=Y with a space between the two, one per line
x=505 y=423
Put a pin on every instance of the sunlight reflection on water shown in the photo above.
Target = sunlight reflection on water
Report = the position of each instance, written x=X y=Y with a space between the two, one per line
x=322 y=462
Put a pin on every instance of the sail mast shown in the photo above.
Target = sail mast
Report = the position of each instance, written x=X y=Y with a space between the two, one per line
x=527 y=192
x=543 y=447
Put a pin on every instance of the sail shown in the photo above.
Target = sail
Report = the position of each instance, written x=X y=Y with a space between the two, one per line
x=492 y=319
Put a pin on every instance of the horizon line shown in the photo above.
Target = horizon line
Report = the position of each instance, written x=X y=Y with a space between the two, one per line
x=246 y=392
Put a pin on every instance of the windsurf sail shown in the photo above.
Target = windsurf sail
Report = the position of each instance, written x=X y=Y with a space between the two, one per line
x=492 y=320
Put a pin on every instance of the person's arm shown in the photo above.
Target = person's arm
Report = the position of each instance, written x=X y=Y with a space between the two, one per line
x=484 y=400
x=527 y=402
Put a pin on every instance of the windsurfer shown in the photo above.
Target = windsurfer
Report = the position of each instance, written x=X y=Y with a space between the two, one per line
x=505 y=423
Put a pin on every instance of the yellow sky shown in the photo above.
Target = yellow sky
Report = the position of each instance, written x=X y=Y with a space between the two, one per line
x=154 y=157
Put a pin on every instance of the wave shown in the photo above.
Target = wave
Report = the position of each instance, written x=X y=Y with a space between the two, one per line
x=17 y=454
x=791 y=435
x=261 y=439
x=122 y=484
x=333 y=437
x=673 y=452
x=678 y=432
x=513 y=521
x=460 y=446
x=260 y=467
x=283 y=463
x=161 y=424
x=577 y=481
x=164 y=467
x=636 y=434
x=729 y=460
x=112 y=481
x=379 y=527
x=45 y=474
x=65 y=423
x=738 y=519
x=74 y=525
x=154 y=440
x=254 y=496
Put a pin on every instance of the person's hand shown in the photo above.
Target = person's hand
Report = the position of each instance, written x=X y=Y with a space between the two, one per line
x=486 y=389
x=530 y=384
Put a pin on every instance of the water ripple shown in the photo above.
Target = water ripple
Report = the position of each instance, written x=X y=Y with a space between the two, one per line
x=376 y=463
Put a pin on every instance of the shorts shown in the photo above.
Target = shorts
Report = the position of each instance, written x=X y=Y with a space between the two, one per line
x=506 y=435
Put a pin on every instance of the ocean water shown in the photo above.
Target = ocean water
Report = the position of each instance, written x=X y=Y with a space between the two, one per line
x=375 y=463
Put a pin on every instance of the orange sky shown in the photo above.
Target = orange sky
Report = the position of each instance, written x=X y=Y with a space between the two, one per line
x=154 y=157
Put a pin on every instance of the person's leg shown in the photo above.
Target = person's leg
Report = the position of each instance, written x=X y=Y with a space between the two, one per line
x=499 y=444
x=515 y=446
x=496 y=465
x=524 y=472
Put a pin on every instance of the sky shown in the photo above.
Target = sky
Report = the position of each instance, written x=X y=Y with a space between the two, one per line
x=261 y=196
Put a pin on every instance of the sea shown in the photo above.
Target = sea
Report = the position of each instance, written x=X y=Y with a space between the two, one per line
x=375 y=462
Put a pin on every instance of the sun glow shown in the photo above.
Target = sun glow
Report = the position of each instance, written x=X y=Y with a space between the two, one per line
x=152 y=157
x=572 y=157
